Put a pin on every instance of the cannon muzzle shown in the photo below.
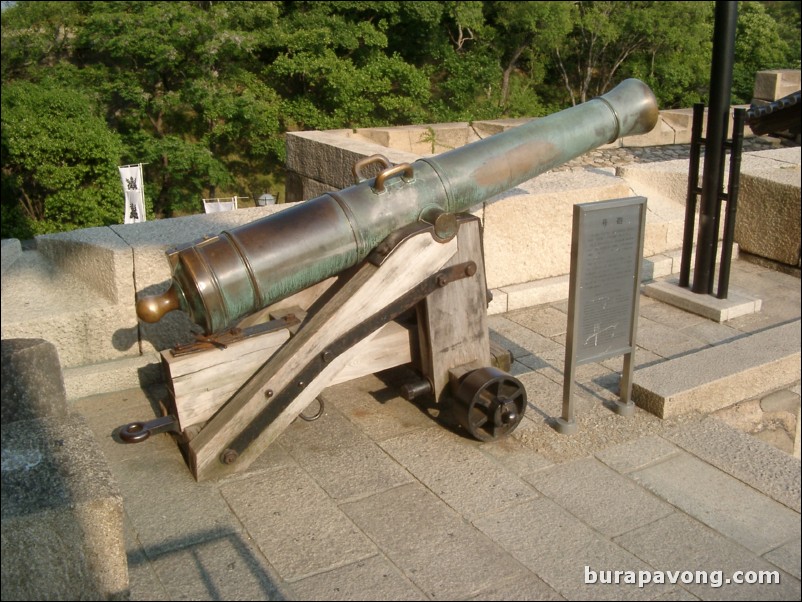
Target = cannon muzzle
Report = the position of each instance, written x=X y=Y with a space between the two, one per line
x=222 y=279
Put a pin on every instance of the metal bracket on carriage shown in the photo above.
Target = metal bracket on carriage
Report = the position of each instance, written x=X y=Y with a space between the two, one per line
x=223 y=339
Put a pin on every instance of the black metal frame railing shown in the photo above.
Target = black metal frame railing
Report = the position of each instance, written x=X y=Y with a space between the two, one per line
x=716 y=145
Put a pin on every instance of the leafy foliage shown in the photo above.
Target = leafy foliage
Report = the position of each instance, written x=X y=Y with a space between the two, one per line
x=59 y=162
x=752 y=52
x=203 y=92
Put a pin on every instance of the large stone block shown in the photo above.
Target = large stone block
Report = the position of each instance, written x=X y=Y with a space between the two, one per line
x=42 y=300
x=661 y=133
x=62 y=514
x=32 y=385
x=768 y=217
x=329 y=156
x=423 y=140
x=496 y=126
x=97 y=256
x=88 y=336
x=527 y=230
x=324 y=156
x=669 y=179
x=300 y=188
x=293 y=186
x=776 y=83
x=681 y=122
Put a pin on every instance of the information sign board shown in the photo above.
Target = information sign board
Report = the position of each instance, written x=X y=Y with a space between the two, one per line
x=606 y=256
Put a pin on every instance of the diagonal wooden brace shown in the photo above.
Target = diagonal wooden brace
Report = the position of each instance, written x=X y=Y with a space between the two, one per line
x=277 y=392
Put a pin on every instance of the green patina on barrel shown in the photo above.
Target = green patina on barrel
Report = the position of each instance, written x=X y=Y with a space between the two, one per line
x=220 y=280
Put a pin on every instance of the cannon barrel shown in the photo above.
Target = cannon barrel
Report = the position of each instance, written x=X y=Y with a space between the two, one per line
x=222 y=279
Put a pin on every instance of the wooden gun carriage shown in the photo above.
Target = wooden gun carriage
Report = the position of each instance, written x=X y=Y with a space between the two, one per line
x=384 y=273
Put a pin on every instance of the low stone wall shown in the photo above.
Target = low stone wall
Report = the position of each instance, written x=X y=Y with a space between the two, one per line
x=768 y=211
x=322 y=161
x=769 y=208
x=62 y=511
x=78 y=290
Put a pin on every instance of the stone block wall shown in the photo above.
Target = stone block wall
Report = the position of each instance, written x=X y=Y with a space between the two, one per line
x=775 y=84
x=322 y=161
x=62 y=511
x=79 y=289
x=769 y=207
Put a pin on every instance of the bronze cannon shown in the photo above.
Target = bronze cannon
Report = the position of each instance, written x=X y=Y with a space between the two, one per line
x=222 y=279
x=410 y=290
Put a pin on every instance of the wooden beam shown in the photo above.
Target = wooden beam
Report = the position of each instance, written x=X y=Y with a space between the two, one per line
x=367 y=292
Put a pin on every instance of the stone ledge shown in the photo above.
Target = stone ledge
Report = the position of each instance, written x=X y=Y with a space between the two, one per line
x=773 y=84
x=768 y=210
x=95 y=256
x=62 y=514
x=32 y=386
x=719 y=376
x=115 y=375
x=82 y=337
x=736 y=304
x=550 y=290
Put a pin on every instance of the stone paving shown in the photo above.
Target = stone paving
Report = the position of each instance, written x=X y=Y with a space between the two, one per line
x=385 y=499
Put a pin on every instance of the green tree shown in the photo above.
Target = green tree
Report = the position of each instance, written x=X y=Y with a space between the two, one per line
x=331 y=65
x=758 y=47
x=203 y=92
x=675 y=61
x=605 y=36
x=36 y=37
x=787 y=15
x=527 y=34
x=59 y=162
x=145 y=57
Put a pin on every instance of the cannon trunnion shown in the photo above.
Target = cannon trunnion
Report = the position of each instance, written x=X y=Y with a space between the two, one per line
x=391 y=273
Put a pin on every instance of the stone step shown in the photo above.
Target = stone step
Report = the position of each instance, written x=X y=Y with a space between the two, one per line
x=548 y=290
x=719 y=376
x=114 y=375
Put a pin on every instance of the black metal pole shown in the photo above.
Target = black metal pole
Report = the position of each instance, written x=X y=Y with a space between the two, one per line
x=732 y=202
x=717 y=118
x=692 y=194
x=721 y=197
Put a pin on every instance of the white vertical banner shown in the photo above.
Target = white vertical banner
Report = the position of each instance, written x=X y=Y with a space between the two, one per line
x=134 y=189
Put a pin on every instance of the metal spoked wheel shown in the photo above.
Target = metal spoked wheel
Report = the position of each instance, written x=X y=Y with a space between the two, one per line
x=490 y=403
